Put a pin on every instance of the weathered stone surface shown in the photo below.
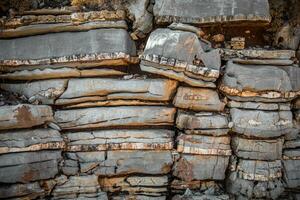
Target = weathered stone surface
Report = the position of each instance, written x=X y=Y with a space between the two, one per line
x=79 y=90
x=106 y=46
x=200 y=167
x=137 y=197
x=120 y=140
x=260 y=83
x=258 y=54
x=204 y=145
x=201 y=121
x=195 y=185
x=261 y=124
x=30 y=140
x=44 y=92
x=210 y=12
x=124 y=162
x=263 y=61
x=200 y=196
x=245 y=189
x=182 y=53
x=259 y=105
x=24 y=116
x=50 y=73
x=28 y=166
x=79 y=187
x=25 y=191
x=198 y=99
x=151 y=185
x=114 y=116
x=291 y=172
x=257 y=149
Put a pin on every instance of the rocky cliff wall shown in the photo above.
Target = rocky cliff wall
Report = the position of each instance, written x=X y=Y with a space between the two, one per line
x=142 y=100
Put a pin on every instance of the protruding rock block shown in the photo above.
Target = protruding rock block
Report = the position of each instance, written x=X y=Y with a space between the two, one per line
x=261 y=149
x=29 y=191
x=104 y=89
x=204 y=145
x=258 y=54
x=260 y=83
x=124 y=116
x=180 y=55
x=24 y=116
x=30 y=140
x=25 y=167
x=259 y=105
x=78 y=187
x=201 y=121
x=200 y=167
x=261 y=124
x=147 y=185
x=209 y=12
x=104 y=47
x=124 y=162
x=198 y=99
x=145 y=139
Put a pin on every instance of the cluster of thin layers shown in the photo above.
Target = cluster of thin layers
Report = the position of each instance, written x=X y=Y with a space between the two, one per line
x=86 y=128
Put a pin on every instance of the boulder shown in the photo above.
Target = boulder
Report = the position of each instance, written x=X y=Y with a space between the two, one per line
x=30 y=140
x=212 y=12
x=114 y=116
x=24 y=116
x=145 y=139
x=198 y=99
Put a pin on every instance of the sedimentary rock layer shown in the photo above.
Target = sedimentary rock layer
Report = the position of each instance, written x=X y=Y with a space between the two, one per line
x=24 y=116
x=115 y=116
x=212 y=11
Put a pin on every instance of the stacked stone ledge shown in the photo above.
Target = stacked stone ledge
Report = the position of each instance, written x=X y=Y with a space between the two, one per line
x=261 y=114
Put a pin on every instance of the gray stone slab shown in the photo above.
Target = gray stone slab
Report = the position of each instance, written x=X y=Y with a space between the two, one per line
x=29 y=190
x=259 y=105
x=291 y=173
x=212 y=11
x=115 y=116
x=24 y=116
x=259 y=54
x=261 y=124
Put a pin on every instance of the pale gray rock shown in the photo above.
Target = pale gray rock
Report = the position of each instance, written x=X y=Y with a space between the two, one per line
x=30 y=140
x=257 y=149
x=259 y=105
x=263 y=61
x=79 y=90
x=260 y=83
x=261 y=124
x=259 y=54
x=200 y=167
x=114 y=116
x=145 y=139
x=29 y=166
x=204 y=145
x=138 y=197
x=198 y=99
x=24 y=116
x=45 y=92
x=102 y=44
x=212 y=11
x=29 y=191
x=204 y=121
x=200 y=196
x=291 y=172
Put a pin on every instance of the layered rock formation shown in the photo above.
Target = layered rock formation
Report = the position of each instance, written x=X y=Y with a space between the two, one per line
x=133 y=101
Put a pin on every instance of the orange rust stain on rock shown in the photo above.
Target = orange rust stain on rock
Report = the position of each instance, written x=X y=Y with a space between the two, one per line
x=24 y=116
x=183 y=170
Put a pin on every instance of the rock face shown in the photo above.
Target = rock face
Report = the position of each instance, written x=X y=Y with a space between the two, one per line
x=209 y=12
x=148 y=100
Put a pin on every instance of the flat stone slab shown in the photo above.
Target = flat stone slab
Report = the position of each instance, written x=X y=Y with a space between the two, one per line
x=105 y=89
x=182 y=53
x=114 y=117
x=151 y=185
x=30 y=140
x=257 y=149
x=24 y=116
x=145 y=139
x=259 y=105
x=25 y=167
x=261 y=124
x=105 y=46
x=201 y=167
x=249 y=83
x=198 y=99
x=29 y=190
x=212 y=11
x=258 y=54
x=291 y=173
x=45 y=92
x=206 y=121
x=204 y=145
x=124 y=162
x=78 y=187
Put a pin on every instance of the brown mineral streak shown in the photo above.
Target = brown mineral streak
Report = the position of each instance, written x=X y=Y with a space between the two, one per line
x=24 y=116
